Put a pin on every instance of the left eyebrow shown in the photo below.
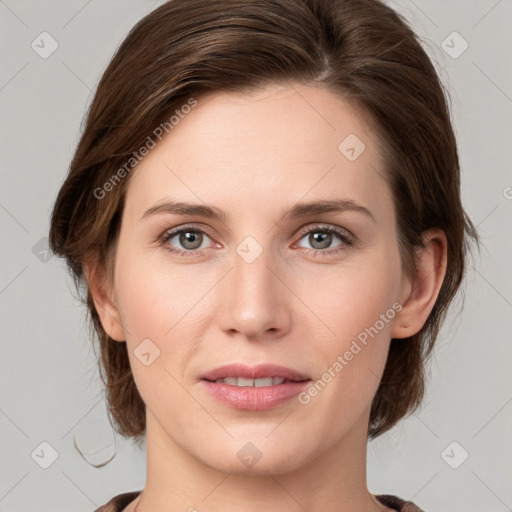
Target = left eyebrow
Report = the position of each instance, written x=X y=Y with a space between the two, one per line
x=296 y=211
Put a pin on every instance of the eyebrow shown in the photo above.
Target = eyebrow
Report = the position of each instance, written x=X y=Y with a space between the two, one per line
x=298 y=210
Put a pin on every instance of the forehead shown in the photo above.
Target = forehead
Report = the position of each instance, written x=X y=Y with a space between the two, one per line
x=270 y=147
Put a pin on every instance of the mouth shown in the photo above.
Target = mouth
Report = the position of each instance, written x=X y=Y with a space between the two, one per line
x=254 y=388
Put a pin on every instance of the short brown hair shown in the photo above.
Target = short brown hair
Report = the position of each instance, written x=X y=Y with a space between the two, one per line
x=360 y=49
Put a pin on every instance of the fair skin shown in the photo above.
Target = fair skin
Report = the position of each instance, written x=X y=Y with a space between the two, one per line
x=254 y=156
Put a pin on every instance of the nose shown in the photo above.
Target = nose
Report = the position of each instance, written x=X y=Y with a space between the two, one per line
x=254 y=300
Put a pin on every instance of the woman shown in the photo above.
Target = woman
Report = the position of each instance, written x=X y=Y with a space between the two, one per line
x=264 y=210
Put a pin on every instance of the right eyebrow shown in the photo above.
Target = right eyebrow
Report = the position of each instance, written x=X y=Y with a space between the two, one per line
x=181 y=208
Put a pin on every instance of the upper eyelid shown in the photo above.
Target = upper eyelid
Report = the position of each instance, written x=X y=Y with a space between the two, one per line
x=325 y=227
x=191 y=227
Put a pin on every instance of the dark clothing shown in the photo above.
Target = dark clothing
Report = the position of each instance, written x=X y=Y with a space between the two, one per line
x=119 y=502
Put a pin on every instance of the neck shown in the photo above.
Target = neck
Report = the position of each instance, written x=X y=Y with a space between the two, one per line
x=334 y=479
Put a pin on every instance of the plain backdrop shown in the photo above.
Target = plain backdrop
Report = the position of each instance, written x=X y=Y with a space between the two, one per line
x=453 y=455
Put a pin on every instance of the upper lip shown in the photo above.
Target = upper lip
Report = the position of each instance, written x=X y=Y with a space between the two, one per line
x=253 y=372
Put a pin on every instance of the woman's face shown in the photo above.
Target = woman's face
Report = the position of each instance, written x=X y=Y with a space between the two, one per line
x=316 y=292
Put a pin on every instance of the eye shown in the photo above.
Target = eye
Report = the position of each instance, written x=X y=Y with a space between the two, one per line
x=322 y=237
x=190 y=240
x=185 y=241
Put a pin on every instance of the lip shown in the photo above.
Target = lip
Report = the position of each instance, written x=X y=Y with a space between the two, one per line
x=259 y=371
x=254 y=398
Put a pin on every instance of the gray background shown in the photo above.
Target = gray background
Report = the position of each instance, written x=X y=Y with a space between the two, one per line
x=51 y=391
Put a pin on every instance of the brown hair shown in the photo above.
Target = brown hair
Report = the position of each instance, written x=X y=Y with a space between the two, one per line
x=360 y=49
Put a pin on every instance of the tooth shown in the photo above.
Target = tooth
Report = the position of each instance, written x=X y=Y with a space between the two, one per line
x=243 y=381
x=259 y=383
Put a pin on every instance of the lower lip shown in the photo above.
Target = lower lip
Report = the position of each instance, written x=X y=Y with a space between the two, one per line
x=253 y=398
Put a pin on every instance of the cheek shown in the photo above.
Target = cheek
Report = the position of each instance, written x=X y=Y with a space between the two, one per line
x=358 y=305
x=166 y=305
x=156 y=305
x=353 y=296
x=154 y=297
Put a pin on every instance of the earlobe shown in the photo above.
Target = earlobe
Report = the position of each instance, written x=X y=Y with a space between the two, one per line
x=422 y=290
x=103 y=301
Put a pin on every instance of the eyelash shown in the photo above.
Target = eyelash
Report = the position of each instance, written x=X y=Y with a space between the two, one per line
x=347 y=239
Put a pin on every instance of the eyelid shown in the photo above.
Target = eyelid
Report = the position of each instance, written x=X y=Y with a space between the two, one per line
x=169 y=233
x=325 y=227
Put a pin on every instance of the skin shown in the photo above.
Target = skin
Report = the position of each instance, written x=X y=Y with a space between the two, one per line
x=254 y=156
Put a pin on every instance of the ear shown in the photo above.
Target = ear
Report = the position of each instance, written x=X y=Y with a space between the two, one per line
x=419 y=294
x=103 y=300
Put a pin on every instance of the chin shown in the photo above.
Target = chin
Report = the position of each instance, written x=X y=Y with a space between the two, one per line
x=257 y=456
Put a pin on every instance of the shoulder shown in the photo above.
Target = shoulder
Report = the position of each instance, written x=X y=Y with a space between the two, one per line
x=397 y=503
x=119 y=502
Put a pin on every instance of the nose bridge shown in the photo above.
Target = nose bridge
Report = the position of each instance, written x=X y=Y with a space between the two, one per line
x=253 y=299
